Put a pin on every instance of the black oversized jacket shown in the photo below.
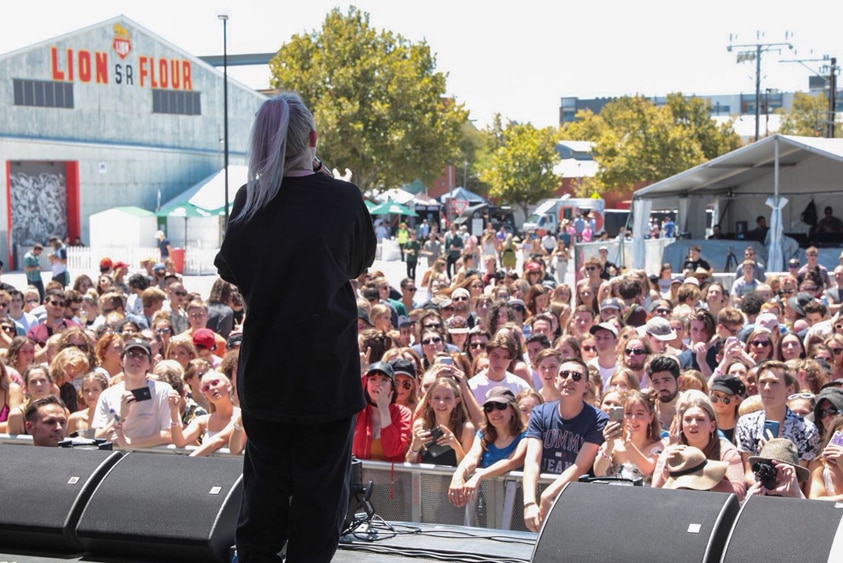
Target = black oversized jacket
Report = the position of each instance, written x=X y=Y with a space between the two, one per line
x=292 y=262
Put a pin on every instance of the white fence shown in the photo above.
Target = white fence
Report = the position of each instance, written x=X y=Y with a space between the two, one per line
x=86 y=260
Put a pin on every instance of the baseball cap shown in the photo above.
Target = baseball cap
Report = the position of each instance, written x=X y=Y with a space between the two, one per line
x=159 y=266
x=604 y=326
x=120 y=265
x=793 y=263
x=659 y=328
x=204 y=338
x=402 y=366
x=532 y=267
x=500 y=394
x=105 y=264
x=137 y=343
x=382 y=367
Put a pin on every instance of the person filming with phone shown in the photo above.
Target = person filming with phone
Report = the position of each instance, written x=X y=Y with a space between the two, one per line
x=134 y=413
x=774 y=420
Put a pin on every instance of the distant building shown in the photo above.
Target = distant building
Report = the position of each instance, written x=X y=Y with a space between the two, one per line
x=106 y=116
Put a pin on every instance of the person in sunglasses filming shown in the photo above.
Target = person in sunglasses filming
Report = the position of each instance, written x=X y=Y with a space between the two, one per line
x=563 y=437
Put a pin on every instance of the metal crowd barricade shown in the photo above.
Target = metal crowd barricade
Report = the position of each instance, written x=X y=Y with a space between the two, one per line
x=407 y=492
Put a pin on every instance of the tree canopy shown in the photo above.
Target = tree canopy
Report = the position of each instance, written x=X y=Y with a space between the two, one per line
x=637 y=142
x=520 y=168
x=378 y=101
x=808 y=116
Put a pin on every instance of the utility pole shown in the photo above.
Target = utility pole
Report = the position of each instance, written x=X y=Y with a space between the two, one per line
x=831 y=82
x=753 y=52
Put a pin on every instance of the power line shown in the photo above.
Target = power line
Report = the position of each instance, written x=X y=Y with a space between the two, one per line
x=753 y=52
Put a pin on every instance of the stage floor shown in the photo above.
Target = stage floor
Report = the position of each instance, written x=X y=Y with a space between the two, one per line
x=387 y=542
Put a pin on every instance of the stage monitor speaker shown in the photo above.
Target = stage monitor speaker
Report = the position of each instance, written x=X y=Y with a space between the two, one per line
x=774 y=529
x=606 y=523
x=43 y=492
x=165 y=507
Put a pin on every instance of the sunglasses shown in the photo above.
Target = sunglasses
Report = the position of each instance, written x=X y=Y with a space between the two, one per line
x=448 y=308
x=760 y=343
x=431 y=325
x=489 y=407
x=82 y=346
x=35 y=301
x=823 y=358
x=803 y=395
x=136 y=354
x=207 y=387
x=435 y=340
x=411 y=289
x=635 y=351
x=180 y=293
x=56 y=303
x=8 y=328
x=715 y=399
x=590 y=268
x=163 y=330
x=589 y=348
x=517 y=308
x=831 y=411
x=478 y=345
x=461 y=298
x=575 y=375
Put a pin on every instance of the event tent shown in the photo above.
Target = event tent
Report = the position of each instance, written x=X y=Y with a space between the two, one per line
x=776 y=177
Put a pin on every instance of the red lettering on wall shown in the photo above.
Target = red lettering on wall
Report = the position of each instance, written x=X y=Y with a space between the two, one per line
x=55 y=72
x=153 y=83
x=185 y=72
x=162 y=72
x=175 y=76
x=69 y=65
x=84 y=66
x=142 y=62
x=101 y=67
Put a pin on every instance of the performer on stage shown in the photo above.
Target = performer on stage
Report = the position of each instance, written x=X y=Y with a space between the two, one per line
x=295 y=239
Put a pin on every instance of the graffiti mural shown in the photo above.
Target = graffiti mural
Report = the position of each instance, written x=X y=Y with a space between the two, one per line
x=39 y=205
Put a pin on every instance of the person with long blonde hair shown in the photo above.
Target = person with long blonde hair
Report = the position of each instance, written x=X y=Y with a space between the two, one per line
x=443 y=432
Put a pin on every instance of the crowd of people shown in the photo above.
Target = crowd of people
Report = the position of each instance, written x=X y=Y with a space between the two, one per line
x=130 y=357
x=668 y=378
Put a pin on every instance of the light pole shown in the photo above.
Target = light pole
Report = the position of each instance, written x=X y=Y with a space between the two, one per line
x=224 y=18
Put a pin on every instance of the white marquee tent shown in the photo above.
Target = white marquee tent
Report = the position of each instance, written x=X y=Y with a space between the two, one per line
x=776 y=177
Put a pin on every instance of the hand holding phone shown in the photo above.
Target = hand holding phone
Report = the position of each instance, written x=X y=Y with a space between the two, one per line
x=616 y=414
x=142 y=394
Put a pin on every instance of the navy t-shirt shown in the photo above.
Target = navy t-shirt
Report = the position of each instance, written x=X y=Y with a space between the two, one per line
x=562 y=439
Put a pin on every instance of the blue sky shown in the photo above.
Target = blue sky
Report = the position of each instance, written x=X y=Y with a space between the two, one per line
x=514 y=58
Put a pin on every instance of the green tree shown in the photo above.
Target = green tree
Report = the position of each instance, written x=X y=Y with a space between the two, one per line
x=377 y=99
x=637 y=142
x=808 y=116
x=520 y=170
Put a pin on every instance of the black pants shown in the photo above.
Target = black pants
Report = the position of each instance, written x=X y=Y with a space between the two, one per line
x=411 y=271
x=450 y=261
x=295 y=490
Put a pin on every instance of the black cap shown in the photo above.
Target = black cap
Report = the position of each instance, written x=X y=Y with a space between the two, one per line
x=381 y=367
x=728 y=384
x=400 y=365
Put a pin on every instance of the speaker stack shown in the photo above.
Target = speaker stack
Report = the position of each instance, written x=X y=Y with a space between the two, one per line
x=159 y=507
x=616 y=523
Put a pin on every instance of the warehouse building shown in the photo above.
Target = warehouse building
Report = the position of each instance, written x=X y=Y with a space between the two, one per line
x=103 y=117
